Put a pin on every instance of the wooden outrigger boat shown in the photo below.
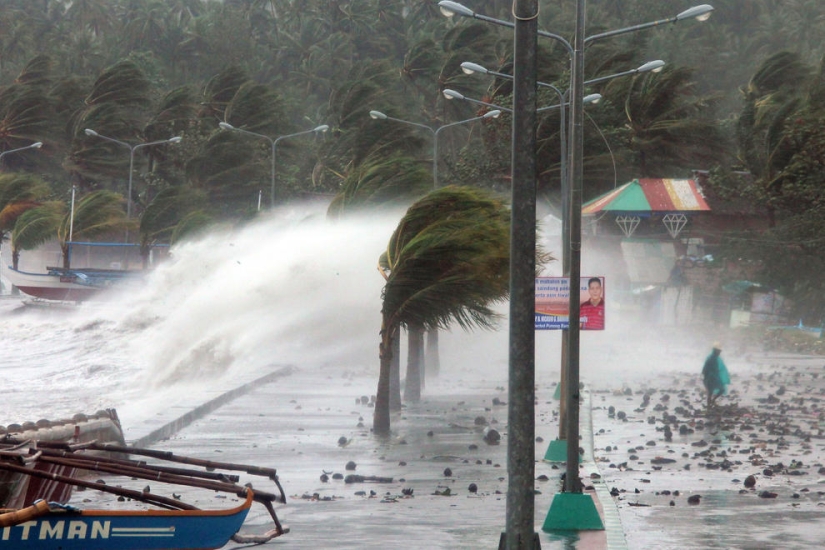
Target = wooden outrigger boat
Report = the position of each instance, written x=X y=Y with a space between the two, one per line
x=172 y=524
x=48 y=527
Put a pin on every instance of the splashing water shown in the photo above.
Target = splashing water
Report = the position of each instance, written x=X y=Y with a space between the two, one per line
x=291 y=288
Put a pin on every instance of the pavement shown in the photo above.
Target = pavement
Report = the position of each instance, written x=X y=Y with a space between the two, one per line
x=448 y=486
x=296 y=422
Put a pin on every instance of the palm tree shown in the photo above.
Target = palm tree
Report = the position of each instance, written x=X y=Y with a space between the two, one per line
x=163 y=214
x=18 y=193
x=36 y=226
x=381 y=180
x=670 y=127
x=447 y=261
x=774 y=93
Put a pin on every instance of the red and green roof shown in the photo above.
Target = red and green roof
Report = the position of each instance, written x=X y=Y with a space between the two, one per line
x=650 y=195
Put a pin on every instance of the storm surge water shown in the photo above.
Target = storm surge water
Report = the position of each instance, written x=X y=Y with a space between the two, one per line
x=291 y=288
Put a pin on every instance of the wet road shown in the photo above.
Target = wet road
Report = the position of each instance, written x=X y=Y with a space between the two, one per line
x=294 y=424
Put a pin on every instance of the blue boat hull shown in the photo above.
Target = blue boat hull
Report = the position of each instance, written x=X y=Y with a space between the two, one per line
x=126 y=530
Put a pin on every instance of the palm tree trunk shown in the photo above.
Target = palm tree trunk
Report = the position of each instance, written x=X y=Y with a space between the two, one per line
x=432 y=359
x=381 y=417
x=66 y=260
x=395 y=372
x=412 y=389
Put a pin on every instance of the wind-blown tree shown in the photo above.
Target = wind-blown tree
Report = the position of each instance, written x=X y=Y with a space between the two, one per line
x=771 y=99
x=447 y=261
x=97 y=214
x=162 y=216
x=381 y=180
x=225 y=170
x=781 y=134
x=36 y=226
x=670 y=127
x=116 y=107
x=18 y=193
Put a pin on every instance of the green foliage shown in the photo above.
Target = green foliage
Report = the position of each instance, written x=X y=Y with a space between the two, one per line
x=37 y=225
x=169 y=208
x=448 y=259
x=97 y=214
x=381 y=180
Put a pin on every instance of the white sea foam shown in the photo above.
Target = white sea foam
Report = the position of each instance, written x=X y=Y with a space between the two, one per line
x=290 y=288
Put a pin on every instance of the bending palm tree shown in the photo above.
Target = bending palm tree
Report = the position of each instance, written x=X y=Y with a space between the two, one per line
x=447 y=260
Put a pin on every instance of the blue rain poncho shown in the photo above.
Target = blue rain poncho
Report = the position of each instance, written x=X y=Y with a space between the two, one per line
x=715 y=374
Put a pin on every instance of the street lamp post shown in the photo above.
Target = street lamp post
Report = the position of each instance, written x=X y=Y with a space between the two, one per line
x=35 y=145
x=378 y=115
x=274 y=143
x=522 y=290
x=557 y=448
x=132 y=149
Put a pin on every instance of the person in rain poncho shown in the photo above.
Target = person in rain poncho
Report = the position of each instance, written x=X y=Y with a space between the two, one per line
x=715 y=375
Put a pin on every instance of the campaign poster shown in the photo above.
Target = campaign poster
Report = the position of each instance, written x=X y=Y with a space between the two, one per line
x=553 y=303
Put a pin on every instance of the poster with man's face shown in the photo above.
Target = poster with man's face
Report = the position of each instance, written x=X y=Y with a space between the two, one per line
x=553 y=303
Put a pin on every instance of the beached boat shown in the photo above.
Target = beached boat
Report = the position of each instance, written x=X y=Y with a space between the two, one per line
x=95 y=267
x=18 y=490
x=46 y=527
x=67 y=285
x=168 y=523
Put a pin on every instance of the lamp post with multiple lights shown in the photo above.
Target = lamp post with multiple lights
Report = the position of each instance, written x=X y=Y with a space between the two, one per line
x=469 y=67
x=378 y=115
x=132 y=149
x=521 y=412
x=274 y=144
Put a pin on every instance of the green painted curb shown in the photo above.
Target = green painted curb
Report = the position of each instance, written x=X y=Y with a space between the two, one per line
x=572 y=512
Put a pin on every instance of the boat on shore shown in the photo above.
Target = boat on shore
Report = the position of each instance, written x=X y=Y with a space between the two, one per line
x=96 y=268
x=67 y=285
x=165 y=523
x=45 y=526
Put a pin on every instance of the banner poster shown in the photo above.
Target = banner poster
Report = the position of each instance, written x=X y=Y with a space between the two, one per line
x=553 y=303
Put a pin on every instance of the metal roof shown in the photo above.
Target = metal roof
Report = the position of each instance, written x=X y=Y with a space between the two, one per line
x=648 y=195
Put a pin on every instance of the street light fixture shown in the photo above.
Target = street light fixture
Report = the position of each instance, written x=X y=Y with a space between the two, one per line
x=469 y=67
x=35 y=145
x=452 y=94
x=700 y=13
x=274 y=143
x=651 y=66
x=378 y=115
x=132 y=149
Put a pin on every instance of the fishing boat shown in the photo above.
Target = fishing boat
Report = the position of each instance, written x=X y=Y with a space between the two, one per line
x=18 y=490
x=47 y=526
x=96 y=267
x=65 y=285
x=165 y=523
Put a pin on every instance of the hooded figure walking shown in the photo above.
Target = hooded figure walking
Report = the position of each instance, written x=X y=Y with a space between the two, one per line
x=715 y=375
